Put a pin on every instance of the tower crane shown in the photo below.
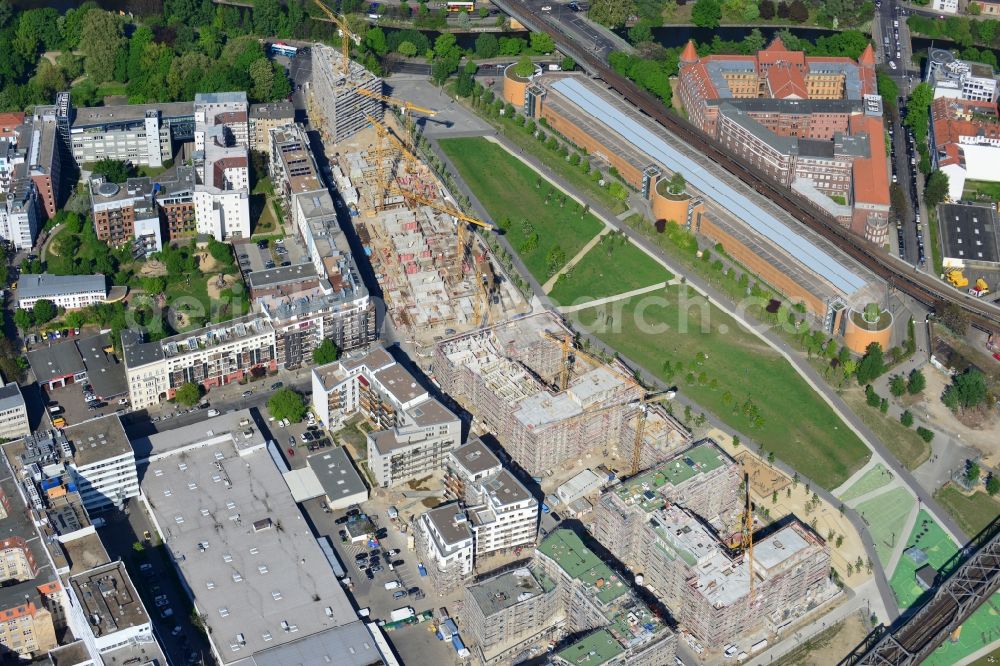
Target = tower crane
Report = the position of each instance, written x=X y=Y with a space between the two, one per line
x=404 y=105
x=346 y=36
x=640 y=427
x=566 y=345
x=746 y=533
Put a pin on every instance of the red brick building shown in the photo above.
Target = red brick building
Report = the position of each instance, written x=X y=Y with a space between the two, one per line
x=811 y=123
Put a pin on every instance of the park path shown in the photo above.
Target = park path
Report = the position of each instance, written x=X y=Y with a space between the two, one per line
x=551 y=282
x=566 y=309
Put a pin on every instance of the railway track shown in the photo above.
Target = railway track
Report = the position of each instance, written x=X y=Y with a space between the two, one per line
x=898 y=274
x=966 y=581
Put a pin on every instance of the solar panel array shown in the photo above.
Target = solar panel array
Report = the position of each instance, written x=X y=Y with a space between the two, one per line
x=711 y=186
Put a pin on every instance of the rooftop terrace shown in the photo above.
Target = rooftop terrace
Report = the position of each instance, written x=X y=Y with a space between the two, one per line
x=566 y=549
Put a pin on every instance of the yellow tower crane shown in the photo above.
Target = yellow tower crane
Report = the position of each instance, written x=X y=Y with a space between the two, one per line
x=345 y=35
x=746 y=534
x=640 y=426
x=404 y=105
x=566 y=344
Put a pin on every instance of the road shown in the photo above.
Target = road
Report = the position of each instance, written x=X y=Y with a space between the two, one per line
x=892 y=37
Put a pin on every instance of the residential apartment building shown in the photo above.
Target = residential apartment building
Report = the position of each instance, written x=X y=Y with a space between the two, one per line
x=212 y=356
x=50 y=163
x=19 y=213
x=144 y=134
x=445 y=538
x=416 y=446
x=503 y=613
x=988 y=7
x=334 y=103
x=504 y=375
x=811 y=123
x=108 y=604
x=13 y=412
x=103 y=463
x=953 y=78
x=611 y=624
x=264 y=118
x=144 y=213
x=27 y=630
x=964 y=141
x=221 y=142
x=65 y=291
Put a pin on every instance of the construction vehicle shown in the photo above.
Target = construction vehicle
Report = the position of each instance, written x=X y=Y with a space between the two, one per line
x=345 y=35
x=956 y=279
x=403 y=105
x=980 y=289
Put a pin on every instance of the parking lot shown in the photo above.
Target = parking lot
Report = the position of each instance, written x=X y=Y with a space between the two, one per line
x=415 y=643
x=256 y=256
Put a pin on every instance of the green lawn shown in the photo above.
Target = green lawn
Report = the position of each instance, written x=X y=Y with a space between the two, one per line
x=509 y=190
x=904 y=443
x=613 y=266
x=739 y=376
x=871 y=480
x=986 y=188
x=930 y=538
x=885 y=515
x=972 y=513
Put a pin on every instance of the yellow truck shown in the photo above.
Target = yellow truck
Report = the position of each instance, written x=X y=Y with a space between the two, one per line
x=956 y=279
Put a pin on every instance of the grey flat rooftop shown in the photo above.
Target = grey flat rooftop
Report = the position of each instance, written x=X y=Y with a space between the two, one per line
x=349 y=645
x=272 y=110
x=10 y=397
x=109 y=115
x=107 y=593
x=501 y=592
x=104 y=371
x=505 y=489
x=430 y=412
x=70 y=655
x=337 y=474
x=98 y=439
x=248 y=556
x=60 y=360
x=778 y=547
x=791 y=106
x=46 y=285
x=706 y=182
x=970 y=233
x=443 y=519
x=475 y=457
x=222 y=428
x=273 y=277
x=399 y=383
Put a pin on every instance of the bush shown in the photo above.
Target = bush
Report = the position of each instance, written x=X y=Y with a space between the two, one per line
x=925 y=434
x=906 y=418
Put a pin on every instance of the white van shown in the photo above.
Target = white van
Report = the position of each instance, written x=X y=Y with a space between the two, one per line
x=392 y=585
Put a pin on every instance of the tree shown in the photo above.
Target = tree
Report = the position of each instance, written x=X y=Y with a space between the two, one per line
x=262 y=76
x=707 y=13
x=287 y=404
x=188 y=394
x=872 y=364
x=936 y=188
x=972 y=473
x=101 y=40
x=611 y=13
x=968 y=390
x=325 y=352
x=906 y=418
x=925 y=434
x=524 y=67
x=44 y=311
x=23 y=319
x=897 y=385
x=916 y=382
x=409 y=49
x=952 y=316
x=677 y=183
x=376 y=42
x=993 y=485
x=116 y=171
x=542 y=43
x=767 y=9
x=487 y=46
x=798 y=12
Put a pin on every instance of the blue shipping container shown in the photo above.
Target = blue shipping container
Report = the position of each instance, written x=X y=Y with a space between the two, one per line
x=457 y=643
x=421 y=570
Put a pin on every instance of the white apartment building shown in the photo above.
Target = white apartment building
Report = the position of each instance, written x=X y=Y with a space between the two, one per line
x=213 y=356
x=413 y=432
x=449 y=540
x=65 y=291
x=221 y=135
x=103 y=463
x=13 y=412
x=19 y=213
x=959 y=79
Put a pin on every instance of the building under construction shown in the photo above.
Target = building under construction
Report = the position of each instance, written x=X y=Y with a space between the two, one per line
x=335 y=105
x=428 y=277
x=706 y=585
x=508 y=375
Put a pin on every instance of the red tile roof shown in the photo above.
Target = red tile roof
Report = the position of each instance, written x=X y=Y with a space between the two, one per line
x=785 y=81
x=871 y=177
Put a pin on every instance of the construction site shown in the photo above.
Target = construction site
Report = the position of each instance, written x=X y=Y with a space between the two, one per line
x=436 y=274
x=550 y=403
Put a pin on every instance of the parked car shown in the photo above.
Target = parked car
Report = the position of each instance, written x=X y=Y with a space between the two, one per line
x=213 y=412
x=291 y=440
x=399 y=594
x=247 y=394
x=291 y=451
x=341 y=521
x=277 y=385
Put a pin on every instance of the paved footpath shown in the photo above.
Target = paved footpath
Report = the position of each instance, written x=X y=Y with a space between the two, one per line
x=551 y=282
x=566 y=309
